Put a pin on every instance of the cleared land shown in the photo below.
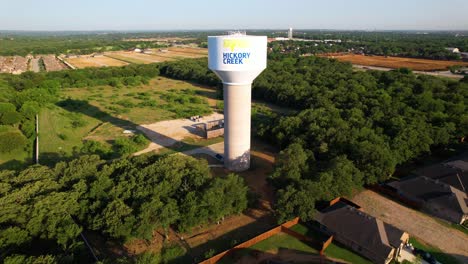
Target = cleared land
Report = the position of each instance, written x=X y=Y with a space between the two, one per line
x=397 y=62
x=89 y=61
x=167 y=133
x=449 y=240
x=13 y=64
x=133 y=57
x=51 y=63
x=120 y=58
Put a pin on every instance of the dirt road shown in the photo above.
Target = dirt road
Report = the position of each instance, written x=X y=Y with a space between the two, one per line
x=446 y=74
x=449 y=240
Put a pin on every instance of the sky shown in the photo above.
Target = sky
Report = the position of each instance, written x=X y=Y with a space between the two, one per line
x=234 y=14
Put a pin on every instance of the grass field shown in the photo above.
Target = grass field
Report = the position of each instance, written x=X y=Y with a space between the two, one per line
x=59 y=133
x=397 y=62
x=103 y=113
x=15 y=159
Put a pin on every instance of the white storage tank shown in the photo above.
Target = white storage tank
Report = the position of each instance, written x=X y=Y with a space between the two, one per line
x=237 y=59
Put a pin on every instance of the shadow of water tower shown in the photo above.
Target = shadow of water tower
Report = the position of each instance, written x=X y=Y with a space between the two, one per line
x=237 y=59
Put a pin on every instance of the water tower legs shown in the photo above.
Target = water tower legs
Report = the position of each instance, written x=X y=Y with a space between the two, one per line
x=237 y=104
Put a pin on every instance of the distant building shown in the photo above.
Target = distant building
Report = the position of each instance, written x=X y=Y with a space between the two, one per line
x=453 y=50
x=290 y=33
x=368 y=236
x=148 y=51
x=434 y=196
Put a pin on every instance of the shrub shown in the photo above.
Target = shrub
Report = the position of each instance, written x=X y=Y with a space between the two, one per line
x=12 y=140
x=10 y=118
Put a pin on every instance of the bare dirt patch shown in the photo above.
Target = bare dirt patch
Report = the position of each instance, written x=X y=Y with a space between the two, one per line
x=167 y=133
x=397 y=62
x=89 y=61
x=133 y=57
x=417 y=224
x=51 y=63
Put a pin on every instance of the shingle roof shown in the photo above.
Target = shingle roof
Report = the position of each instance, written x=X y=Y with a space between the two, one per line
x=433 y=191
x=454 y=173
x=364 y=230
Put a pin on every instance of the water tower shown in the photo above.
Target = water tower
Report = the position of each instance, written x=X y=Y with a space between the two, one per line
x=237 y=59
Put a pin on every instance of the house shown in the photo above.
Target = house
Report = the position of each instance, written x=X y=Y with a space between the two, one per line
x=370 y=237
x=453 y=173
x=434 y=196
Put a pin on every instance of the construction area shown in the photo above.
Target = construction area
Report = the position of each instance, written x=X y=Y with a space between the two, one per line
x=50 y=62
x=395 y=62
x=137 y=56
x=18 y=64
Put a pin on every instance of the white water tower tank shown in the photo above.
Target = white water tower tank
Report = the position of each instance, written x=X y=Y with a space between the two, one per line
x=237 y=59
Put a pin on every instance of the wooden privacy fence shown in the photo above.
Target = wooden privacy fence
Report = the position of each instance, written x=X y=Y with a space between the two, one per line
x=255 y=240
x=325 y=245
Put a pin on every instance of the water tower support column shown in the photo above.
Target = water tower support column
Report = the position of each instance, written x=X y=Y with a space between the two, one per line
x=237 y=126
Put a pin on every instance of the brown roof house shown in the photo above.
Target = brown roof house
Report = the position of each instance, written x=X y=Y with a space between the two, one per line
x=366 y=235
x=434 y=196
x=453 y=173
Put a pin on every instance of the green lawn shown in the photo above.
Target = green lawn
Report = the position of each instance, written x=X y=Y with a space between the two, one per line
x=339 y=252
x=436 y=252
x=335 y=250
x=273 y=244
x=283 y=240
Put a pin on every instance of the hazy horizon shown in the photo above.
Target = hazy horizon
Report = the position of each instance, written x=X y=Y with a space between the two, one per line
x=142 y=15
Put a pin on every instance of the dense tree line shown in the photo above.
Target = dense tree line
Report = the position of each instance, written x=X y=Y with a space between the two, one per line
x=352 y=128
x=124 y=199
x=406 y=44
x=195 y=70
x=68 y=44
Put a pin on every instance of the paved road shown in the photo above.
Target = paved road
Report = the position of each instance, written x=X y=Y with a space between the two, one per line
x=446 y=74
x=417 y=224
x=35 y=65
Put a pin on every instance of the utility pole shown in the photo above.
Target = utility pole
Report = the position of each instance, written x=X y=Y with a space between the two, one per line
x=37 y=139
